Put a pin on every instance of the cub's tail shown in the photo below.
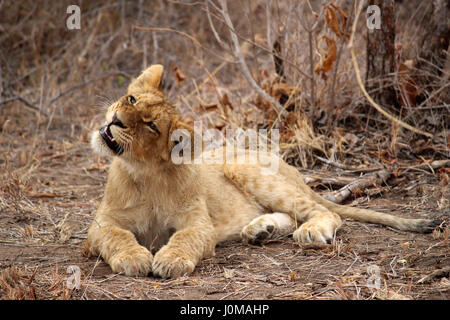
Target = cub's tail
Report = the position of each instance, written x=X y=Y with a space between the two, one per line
x=364 y=215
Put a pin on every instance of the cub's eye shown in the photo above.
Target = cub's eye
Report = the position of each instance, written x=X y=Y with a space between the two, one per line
x=131 y=99
x=152 y=126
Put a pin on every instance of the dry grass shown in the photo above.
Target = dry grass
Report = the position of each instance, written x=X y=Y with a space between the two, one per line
x=55 y=83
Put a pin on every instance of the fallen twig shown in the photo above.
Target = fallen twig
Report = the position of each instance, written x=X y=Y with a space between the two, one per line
x=333 y=163
x=435 y=274
x=366 y=181
x=429 y=165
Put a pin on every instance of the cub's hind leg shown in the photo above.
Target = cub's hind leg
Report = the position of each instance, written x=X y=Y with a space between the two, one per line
x=278 y=194
x=320 y=228
x=268 y=226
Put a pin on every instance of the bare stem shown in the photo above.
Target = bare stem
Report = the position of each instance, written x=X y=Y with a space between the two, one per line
x=240 y=57
x=311 y=69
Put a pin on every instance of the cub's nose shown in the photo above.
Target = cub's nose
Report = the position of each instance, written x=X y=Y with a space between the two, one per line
x=116 y=121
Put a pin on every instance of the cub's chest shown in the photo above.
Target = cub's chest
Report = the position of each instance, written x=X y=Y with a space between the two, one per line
x=155 y=227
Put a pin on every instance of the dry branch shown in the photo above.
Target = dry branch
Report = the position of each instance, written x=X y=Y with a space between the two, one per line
x=333 y=163
x=435 y=274
x=370 y=179
x=213 y=29
x=267 y=49
x=310 y=30
x=184 y=34
x=327 y=179
x=336 y=67
x=430 y=165
x=240 y=57
x=27 y=104
x=367 y=180
x=84 y=84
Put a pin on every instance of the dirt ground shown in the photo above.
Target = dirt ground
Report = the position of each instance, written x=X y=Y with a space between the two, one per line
x=43 y=225
x=55 y=83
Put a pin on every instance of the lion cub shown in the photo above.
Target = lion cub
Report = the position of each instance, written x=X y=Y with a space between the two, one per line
x=182 y=211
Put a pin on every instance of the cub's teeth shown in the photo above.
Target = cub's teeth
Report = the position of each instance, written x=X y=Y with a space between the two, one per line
x=113 y=139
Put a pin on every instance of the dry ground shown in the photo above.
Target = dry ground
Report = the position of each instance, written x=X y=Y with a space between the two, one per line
x=54 y=81
x=44 y=220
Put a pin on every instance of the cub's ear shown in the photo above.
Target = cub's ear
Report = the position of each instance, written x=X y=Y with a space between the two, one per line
x=150 y=78
x=182 y=143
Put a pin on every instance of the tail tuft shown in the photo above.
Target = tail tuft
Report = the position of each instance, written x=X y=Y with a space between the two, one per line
x=427 y=226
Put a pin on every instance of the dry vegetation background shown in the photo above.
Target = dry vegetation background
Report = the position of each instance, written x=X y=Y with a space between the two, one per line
x=55 y=84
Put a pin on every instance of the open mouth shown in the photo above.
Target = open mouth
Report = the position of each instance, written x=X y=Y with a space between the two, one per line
x=105 y=132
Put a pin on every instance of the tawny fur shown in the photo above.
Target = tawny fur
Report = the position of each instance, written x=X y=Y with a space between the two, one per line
x=180 y=212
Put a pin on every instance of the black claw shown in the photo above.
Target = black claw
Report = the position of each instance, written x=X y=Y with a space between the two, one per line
x=262 y=235
x=168 y=271
x=270 y=228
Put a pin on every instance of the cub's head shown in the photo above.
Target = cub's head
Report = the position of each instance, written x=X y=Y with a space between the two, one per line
x=139 y=125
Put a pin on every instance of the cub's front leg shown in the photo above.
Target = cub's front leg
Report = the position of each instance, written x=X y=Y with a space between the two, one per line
x=119 y=248
x=194 y=240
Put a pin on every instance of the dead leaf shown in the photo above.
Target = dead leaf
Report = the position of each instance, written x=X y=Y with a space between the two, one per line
x=293 y=276
x=28 y=231
x=326 y=63
x=341 y=291
x=444 y=176
x=342 y=16
x=332 y=21
x=288 y=135
x=180 y=76
x=225 y=102
x=281 y=88
x=291 y=120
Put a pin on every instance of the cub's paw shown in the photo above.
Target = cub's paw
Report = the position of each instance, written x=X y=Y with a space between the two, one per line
x=319 y=229
x=258 y=230
x=171 y=264
x=268 y=226
x=136 y=261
